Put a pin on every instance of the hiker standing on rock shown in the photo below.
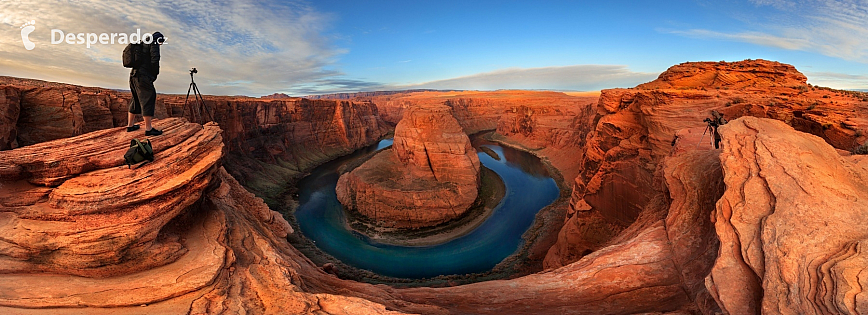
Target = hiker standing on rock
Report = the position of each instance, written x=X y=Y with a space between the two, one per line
x=144 y=58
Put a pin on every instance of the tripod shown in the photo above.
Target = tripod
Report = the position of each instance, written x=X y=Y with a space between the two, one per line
x=198 y=108
x=711 y=126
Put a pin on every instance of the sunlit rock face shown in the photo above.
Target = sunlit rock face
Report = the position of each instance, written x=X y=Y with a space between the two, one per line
x=429 y=176
x=634 y=129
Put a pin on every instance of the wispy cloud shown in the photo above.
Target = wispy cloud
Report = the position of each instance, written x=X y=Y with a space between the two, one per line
x=838 y=80
x=835 y=28
x=566 y=78
x=751 y=37
x=239 y=47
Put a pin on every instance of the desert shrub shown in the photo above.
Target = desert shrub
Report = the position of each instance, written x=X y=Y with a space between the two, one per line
x=737 y=100
x=814 y=105
x=862 y=149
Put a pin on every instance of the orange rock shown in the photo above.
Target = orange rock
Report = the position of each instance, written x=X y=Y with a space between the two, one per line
x=636 y=128
x=429 y=176
x=95 y=214
x=791 y=220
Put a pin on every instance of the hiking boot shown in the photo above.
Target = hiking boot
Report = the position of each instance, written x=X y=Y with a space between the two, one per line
x=132 y=128
x=153 y=132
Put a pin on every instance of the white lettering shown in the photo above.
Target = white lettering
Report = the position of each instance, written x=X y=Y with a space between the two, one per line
x=138 y=36
x=55 y=32
x=91 y=39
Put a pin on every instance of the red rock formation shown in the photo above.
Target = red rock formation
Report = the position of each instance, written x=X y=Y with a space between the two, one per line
x=54 y=110
x=786 y=234
x=553 y=125
x=429 y=176
x=271 y=143
x=71 y=209
x=635 y=129
x=82 y=233
x=791 y=224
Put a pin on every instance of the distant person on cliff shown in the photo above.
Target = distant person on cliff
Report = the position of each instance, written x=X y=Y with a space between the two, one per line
x=142 y=79
x=717 y=122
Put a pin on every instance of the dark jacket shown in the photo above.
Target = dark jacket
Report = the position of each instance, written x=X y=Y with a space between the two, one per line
x=151 y=67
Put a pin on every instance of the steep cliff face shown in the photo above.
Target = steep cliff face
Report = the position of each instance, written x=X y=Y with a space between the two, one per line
x=268 y=142
x=429 y=176
x=271 y=143
x=10 y=108
x=635 y=128
x=49 y=111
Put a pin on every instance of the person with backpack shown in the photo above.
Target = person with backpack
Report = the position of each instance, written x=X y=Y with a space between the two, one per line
x=144 y=59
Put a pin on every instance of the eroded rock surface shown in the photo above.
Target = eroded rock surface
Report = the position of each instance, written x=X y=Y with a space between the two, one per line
x=634 y=129
x=791 y=224
x=429 y=176
x=70 y=207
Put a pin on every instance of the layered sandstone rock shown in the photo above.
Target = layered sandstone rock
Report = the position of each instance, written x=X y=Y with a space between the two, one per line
x=71 y=208
x=272 y=143
x=429 y=176
x=82 y=234
x=635 y=128
x=791 y=224
x=51 y=110
x=552 y=125
x=769 y=223
x=269 y=143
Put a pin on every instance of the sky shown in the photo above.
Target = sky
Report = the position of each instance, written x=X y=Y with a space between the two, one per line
x=300 y=48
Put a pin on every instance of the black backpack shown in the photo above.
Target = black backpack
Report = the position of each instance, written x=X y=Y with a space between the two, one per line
x=134 y=55
x=138 y=152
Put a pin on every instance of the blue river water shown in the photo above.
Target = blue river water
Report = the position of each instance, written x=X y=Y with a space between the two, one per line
x=528 y=189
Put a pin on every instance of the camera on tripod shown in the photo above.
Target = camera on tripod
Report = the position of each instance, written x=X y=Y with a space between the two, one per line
x=710 y=122
x=713 y=123
x=198 y=111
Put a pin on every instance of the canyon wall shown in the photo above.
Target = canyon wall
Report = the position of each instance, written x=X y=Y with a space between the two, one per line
x=550 y=124
x=269 y=143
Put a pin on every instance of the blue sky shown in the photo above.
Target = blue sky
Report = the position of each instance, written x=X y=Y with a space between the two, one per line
x=262 y=47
